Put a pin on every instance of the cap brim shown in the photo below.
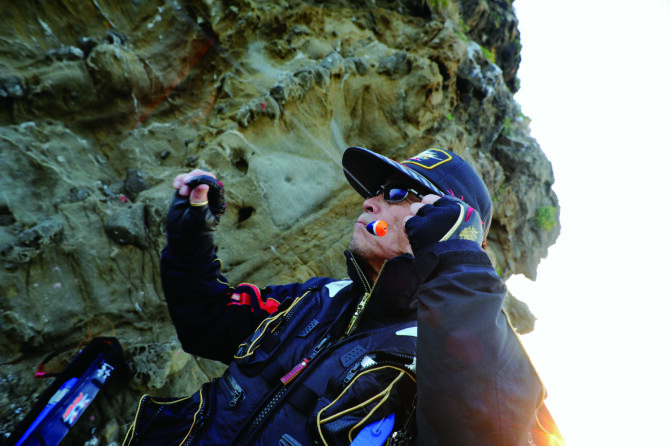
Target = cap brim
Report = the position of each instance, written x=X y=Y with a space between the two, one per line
x=366 y=171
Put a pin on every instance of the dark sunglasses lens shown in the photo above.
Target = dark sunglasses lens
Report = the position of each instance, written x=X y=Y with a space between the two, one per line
x=395 y=194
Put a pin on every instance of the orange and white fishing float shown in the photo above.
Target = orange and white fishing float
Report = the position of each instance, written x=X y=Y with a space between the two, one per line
x=377 y=227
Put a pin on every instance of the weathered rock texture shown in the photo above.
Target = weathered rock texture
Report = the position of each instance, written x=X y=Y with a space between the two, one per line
x=102 y=103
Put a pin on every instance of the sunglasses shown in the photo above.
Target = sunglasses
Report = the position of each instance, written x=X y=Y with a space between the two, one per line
x=396 y=192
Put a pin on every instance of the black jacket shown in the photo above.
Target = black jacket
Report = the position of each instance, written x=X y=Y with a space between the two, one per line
x=320 y=360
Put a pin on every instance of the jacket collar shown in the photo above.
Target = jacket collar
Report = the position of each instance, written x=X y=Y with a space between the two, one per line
x=392 y=294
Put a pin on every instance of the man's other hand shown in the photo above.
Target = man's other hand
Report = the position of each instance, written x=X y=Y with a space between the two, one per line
x=437 y=219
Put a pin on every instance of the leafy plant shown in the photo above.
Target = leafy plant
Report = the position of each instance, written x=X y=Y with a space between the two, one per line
x=507 y=126
x=489 y=54
x=545 y=218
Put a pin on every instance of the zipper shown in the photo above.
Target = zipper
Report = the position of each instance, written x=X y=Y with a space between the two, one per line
x=279 y=393
x=360 y=308
x=302 y=365
x=294 y=308
x=250 y=429
x=203 y=414
x=385 y=357
x=352 y=372
x=133 y=433
x=399 y=360
x=238 y=393
x=248 y=432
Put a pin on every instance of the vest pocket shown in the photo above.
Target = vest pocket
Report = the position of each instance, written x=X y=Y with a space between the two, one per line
x=231 y=392
x=160 y=421
x=371 y=395
x=256 y=352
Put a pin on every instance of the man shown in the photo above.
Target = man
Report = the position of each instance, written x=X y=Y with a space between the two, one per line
x=412 y=349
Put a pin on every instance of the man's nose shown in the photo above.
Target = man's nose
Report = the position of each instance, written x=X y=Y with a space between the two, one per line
x=372 y=205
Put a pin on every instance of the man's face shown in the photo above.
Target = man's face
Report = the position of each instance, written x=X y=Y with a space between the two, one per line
x=374 y=249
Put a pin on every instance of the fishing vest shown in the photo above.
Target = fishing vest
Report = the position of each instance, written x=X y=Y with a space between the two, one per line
x=297 y=380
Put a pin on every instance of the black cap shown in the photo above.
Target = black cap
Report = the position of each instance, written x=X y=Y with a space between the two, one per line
x=434 y=171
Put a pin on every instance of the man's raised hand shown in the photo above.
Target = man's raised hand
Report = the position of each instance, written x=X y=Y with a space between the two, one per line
x=198 y=204
x=438 y=219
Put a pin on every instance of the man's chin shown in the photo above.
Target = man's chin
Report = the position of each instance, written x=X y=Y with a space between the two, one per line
x=356 y=249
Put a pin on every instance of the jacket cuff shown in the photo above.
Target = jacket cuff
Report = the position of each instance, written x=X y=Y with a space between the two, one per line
x=447 y=254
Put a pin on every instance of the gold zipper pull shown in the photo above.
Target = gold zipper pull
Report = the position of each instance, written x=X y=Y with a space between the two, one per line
x=359 y=310
x=364 y=301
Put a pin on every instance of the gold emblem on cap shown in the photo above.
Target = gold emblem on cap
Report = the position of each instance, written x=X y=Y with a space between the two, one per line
x=429 y=155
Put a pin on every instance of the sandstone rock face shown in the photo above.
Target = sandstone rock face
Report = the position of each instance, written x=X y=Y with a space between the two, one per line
x=103 y=103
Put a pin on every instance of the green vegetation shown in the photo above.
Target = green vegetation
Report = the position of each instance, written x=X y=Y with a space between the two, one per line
x=545 y=218
x=444 y=5
x=489 y=54
x=451 y=9
x=465 y=29
x=499 y=192
x=507 y=126
x=462 y=34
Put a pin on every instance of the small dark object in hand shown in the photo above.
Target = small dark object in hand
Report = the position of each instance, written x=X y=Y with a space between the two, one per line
x=215 y=195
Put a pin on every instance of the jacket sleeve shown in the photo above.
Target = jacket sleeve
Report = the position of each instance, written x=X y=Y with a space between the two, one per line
x=212 y=318
x=475 y=383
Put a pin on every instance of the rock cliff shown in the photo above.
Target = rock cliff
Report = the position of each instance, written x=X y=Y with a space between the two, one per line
x=102 y=103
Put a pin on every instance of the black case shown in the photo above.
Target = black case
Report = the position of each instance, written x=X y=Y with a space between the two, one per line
x=61 y=405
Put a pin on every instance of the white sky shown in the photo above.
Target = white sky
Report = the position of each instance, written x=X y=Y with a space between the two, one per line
x=595 y=78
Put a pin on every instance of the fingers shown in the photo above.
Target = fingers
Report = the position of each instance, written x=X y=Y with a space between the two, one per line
x=199 y=194
x=180 y=181
x=415 y=207
x=428 y=199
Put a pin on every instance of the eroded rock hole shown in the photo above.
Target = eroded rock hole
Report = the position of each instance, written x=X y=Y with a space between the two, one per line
x=6 y=216
x=241 y=164
x=245 y=213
